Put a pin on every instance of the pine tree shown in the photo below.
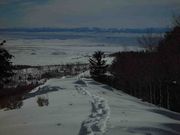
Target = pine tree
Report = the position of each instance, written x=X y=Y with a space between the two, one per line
x=98 y=65
x=5 y=64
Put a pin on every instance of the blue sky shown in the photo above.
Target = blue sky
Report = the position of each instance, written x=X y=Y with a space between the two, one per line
x=88 y=13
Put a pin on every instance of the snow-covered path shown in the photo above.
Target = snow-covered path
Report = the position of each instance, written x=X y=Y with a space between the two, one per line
x=81 y=106
x=96 y=123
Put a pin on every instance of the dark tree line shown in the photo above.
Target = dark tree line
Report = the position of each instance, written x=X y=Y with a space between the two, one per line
x=5 y=65
x=154 y=75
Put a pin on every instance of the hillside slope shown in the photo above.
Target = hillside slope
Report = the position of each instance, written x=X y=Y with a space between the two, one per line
x=81 y=106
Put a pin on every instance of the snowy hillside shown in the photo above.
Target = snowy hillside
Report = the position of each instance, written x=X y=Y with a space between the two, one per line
x=81 y=106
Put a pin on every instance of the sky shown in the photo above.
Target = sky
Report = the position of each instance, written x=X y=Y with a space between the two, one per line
x=88 y=13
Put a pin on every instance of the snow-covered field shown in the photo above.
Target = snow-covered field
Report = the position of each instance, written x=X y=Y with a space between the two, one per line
x=81 y=106
x=56 y=51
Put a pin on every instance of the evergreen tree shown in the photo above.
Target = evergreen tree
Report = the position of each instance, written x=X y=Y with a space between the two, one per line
x=98 y=65
x=5 y=64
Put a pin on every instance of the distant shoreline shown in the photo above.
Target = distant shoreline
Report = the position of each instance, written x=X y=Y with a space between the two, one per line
x=88 y=29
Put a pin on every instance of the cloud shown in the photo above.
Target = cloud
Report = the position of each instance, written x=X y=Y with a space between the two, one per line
x=11 y=2
x=104 y=13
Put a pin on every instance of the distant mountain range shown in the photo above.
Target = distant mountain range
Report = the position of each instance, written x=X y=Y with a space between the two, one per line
x=88 y=29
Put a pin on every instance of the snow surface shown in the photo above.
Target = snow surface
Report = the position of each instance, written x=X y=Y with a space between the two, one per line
x=81 y=106
x=55 y=51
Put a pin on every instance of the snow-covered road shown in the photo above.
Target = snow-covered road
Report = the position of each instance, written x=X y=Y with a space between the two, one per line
x=81 y=106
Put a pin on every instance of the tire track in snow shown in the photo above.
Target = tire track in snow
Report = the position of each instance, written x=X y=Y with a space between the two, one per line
x=96 y=123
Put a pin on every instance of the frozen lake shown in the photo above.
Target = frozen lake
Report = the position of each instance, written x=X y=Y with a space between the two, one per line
x=44 y=52
x=44 y=48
